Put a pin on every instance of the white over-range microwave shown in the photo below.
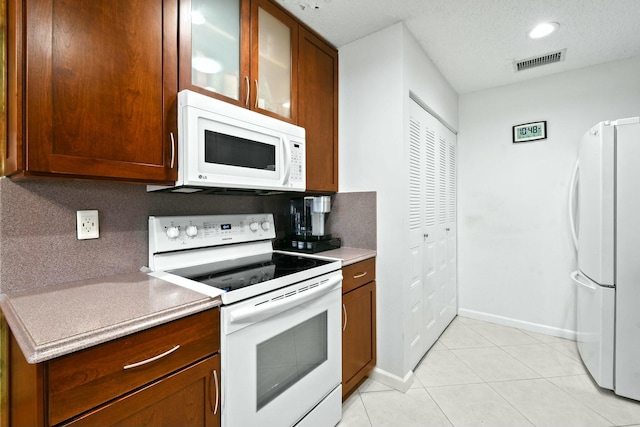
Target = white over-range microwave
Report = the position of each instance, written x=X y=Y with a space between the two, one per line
x=225 y=147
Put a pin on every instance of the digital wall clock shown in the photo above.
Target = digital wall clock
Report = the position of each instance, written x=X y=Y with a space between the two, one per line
x=530 y=131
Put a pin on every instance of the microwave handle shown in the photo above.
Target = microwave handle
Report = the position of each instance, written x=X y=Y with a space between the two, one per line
x=288 y=159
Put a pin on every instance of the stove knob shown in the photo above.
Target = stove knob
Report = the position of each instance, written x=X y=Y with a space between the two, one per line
x=254 y=226
x=266 y=225
x=173 y=232
x=192 y=231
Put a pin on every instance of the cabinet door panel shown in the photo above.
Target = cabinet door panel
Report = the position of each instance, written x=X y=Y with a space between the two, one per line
x=214 y=48
x=100 y=88
x=186 y=398
x=274 y=55
x=358 y=336
x=318 y=111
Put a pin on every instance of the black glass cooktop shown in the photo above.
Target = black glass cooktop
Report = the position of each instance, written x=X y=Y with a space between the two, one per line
x=239 y=273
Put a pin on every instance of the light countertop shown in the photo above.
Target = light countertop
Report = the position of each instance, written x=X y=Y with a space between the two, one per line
x=59 y=320
x=349 y=255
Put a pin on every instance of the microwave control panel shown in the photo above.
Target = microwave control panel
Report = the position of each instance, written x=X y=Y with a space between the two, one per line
x=298 y=167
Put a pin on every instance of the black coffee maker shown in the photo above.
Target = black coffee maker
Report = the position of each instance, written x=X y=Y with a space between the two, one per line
x=307 y=225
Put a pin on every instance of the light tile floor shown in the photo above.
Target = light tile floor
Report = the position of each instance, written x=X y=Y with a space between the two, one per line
x=483 y=374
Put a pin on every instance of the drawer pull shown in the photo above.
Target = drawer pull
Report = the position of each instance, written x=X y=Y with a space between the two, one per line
x=344 y=310
x=152 y=359
x=359 y=275
x=214 y=409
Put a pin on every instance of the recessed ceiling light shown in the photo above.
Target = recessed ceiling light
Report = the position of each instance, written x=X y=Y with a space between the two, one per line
x=543 y=29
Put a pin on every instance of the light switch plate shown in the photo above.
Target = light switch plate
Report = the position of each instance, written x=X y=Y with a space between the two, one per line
x=87 y=224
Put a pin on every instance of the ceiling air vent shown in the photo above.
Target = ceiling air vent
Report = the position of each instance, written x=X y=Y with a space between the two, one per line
x=537 y=61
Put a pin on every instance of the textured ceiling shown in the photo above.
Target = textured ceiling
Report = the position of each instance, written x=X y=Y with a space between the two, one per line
x=474 y=42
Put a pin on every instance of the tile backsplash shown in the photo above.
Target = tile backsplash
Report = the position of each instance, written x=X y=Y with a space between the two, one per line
x=38 y=245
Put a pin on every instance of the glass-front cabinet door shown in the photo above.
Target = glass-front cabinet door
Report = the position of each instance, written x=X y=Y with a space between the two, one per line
x=275 y=69
x=214 y=41
x=240 y=51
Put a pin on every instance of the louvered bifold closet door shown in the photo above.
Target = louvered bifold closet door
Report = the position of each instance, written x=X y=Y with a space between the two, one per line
x=431 y=220
x=415 y=343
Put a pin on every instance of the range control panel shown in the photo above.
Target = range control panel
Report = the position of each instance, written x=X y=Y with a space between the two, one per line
x=172 y=233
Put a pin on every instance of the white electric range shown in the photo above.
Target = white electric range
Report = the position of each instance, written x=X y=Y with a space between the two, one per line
x=280 y=316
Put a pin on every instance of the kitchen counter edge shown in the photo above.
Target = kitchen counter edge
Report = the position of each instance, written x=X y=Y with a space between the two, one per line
x=18 y=318
x=349 y=255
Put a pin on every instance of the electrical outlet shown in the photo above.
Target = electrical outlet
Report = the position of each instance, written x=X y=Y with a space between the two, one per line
x=87 y=224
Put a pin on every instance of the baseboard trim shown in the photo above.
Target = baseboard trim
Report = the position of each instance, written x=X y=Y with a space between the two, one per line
x=391 y=380
x=517 y=323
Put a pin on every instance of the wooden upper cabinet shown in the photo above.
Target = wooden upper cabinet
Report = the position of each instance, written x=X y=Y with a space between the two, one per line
x=318 y=111
x=97 y=92
x=252 y=53
x=241 y=51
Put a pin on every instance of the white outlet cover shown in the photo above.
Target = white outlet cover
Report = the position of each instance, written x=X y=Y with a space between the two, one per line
x=87 y=224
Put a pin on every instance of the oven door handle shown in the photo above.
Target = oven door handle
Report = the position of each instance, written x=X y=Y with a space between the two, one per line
x=267 y=309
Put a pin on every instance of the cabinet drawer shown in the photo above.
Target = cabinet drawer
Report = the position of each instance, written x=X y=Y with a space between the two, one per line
x=88 y=378
x=358 y=274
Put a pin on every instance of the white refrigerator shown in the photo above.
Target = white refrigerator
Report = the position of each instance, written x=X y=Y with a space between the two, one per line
x=607 y=218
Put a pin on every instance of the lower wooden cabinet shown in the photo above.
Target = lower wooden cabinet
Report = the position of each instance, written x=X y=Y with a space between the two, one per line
x=168 y=375
x=358 y=324
x=190 y=397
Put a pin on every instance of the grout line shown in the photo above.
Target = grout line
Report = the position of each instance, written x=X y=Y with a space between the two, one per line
x=509 y=403
x=438 y=405
x=365 y=410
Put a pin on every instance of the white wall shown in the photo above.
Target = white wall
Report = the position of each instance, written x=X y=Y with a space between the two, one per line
x=370 y=138
x=514 y=247
x=375 y=76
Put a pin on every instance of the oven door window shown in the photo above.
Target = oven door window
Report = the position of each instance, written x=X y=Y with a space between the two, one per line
x=286 y=358
x=229 y=150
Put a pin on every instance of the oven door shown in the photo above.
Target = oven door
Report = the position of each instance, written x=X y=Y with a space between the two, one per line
x=282 y=357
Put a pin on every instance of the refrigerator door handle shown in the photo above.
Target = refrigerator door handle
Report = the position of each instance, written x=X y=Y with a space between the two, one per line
x=575 y=275
x=572 y=208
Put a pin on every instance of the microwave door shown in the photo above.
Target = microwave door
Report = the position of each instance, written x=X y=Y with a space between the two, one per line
x=234 y=157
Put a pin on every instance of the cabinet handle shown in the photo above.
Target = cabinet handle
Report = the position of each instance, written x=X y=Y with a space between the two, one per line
x=173 y=149
x=214 y=408
x=344 y=310
x=152 y=359
x=246 y=79
x=359 y=275
x=257 y=93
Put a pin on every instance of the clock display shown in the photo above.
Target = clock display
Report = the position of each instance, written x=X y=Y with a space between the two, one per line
x=530 y=131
